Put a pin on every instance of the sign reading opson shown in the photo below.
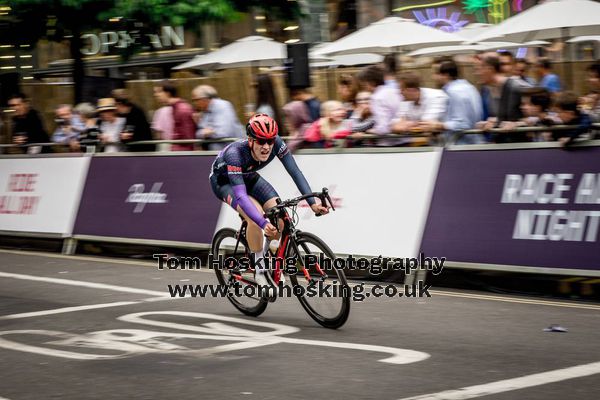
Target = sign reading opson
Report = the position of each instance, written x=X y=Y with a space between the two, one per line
x=102 y=42
x=534 y=207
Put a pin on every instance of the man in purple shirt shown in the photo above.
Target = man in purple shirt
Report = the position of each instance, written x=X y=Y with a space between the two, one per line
x=385 y=102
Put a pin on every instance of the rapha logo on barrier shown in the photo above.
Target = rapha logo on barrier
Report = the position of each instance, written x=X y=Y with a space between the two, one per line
x=138 y=196
x=337 y=202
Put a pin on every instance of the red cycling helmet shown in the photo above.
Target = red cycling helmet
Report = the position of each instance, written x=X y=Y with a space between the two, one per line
x=261 y=126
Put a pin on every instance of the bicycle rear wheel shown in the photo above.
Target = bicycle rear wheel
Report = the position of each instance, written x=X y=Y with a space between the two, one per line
x=225 y=245
x=331 y=307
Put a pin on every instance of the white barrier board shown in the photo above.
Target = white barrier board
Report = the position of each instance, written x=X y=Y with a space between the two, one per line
x=41 y=194
x=381 y=199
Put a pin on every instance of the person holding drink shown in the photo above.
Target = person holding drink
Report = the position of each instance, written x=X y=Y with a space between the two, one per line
x=27 y=125
x=136 y=127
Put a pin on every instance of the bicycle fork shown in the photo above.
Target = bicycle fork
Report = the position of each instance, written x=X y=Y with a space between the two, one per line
x=305 y=271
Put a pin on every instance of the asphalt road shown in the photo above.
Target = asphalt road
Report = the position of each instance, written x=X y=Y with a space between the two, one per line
x=86 y=328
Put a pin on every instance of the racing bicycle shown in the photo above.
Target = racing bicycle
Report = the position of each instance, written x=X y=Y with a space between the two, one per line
x=306 y=273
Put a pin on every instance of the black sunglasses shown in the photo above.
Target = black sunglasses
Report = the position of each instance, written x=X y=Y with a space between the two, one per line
x=262 y=142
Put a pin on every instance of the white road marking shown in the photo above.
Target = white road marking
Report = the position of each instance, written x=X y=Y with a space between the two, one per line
x=91 y=285
x=80 y=258
x=160 y=296
x=120 y=343
x=399 y=356
x=122 y=350
x=83 y=308
x=67 y=310
x=506 y=385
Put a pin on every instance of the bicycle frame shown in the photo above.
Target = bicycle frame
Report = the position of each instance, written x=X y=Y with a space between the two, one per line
x=287 y=236
x=302 y=244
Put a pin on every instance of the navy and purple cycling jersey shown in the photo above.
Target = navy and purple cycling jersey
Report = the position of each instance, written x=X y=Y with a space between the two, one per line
x=233 y=177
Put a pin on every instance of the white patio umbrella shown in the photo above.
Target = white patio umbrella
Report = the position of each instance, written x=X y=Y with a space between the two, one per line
x=467 y=32
x=349 y=60
x=551 y=19
x=447 y=50
x=251 y=51
x=195 y=62
x=473 y=30
x=510 y=45
x=346 y=60
x=255 y=51
x=391 y=34
x=473 y=48
x=579 y=39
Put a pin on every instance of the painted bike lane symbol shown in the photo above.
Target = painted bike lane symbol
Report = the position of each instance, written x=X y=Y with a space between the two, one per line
x=123 y=343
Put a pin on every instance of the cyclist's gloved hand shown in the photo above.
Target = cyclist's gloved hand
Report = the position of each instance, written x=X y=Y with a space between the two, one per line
x=270 y=230
x=319 y=209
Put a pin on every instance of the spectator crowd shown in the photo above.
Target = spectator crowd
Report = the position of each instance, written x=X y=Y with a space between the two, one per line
x=379 y=106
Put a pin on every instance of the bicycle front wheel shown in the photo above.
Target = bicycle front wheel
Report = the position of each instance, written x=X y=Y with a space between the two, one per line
x=225 y=245
x=322 y=289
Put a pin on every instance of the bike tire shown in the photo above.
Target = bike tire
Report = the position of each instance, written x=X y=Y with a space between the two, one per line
x=339 y=317
x=230 y=235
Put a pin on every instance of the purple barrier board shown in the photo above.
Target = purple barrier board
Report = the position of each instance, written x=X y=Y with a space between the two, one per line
x=159 y=198
x=534 y=207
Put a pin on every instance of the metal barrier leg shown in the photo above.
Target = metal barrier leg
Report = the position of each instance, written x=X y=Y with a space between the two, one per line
x=409 y=279
x=415 y=277
x=421 y=275
x=69 y=246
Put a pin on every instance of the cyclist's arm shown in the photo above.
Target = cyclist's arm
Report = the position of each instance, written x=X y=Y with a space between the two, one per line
x=284 y=154
x=234 y=173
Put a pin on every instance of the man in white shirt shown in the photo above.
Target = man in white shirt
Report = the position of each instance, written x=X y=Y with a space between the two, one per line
x=384 y=104
x=419 y=105
x=219 y=119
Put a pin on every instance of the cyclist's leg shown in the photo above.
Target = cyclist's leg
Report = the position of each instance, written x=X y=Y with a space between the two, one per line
x=254 y=234
x=224 y=191
x=266 y=195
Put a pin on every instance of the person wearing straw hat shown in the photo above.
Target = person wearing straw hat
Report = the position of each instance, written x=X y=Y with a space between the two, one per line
x=111 y=125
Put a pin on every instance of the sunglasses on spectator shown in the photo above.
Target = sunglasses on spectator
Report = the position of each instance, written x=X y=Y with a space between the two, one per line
x=363 y=100
x=262 y=142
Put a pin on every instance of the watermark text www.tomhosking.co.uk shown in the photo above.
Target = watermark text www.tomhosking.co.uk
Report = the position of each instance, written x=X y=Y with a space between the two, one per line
x=375 y=265
x=357 y=292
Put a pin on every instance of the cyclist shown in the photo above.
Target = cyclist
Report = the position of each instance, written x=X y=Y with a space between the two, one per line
x=234 y=180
